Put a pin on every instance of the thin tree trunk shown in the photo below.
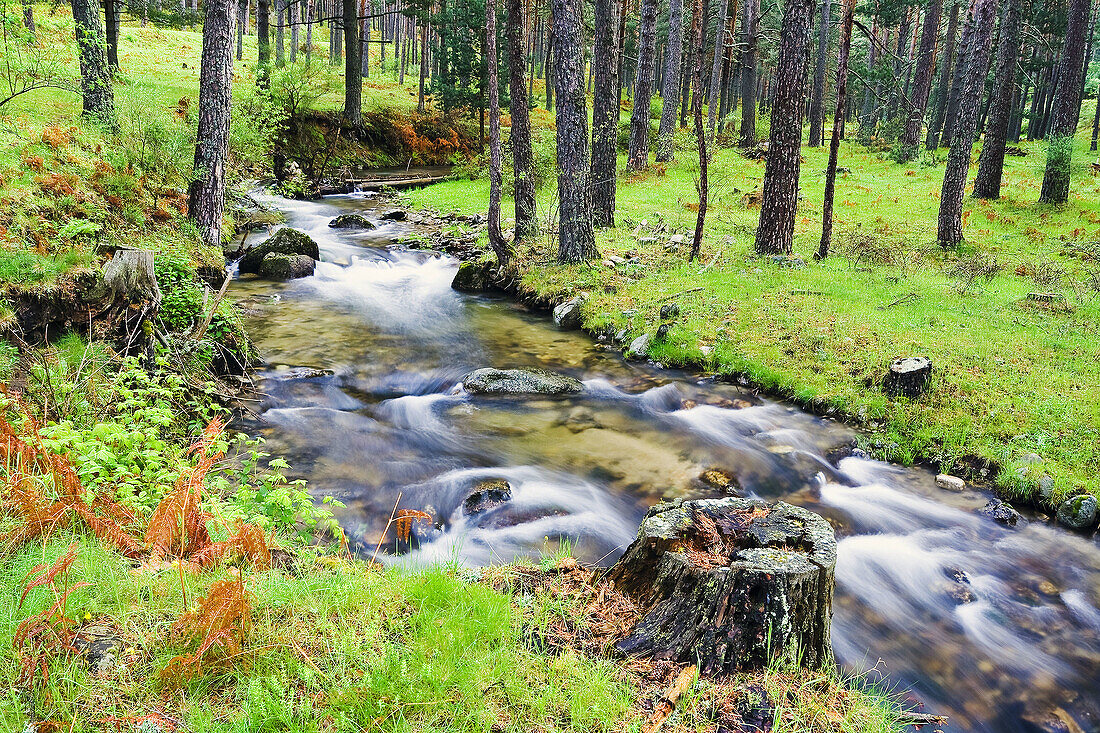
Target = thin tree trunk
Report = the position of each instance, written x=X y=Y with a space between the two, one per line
x=922 y=82
x=96 y=86
x=779 y=196
x=280 y=35
x=750 y=28
x=293 y=12
x=716 y=69
x=987 y=184
x=1067 y=106
x=605 y=111
x=817 y=100
x=670 y=93
x=943 y=85
x=638 y=156
x=576 y=240
x=967 y=50
x=110 y=16
x=1095 y=125
x=962 y=145
x=263 y=42
x=685 y=86
x=207 y=191
x=838 y=127
x=700 y=13
x=548 y=77
x=423 y=67
x=501 y=247
x=523 y=157
x=353 y=65
x=28 y=18
x=309 y=29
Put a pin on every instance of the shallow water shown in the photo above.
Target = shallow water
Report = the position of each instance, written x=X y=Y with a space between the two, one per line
x=997 y=628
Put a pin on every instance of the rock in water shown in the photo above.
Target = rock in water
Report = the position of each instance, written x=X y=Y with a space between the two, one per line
x=1001 y=512
x=472 y=277
x=487 y=495
x=568 y=314
x=908 y=377
x=276 y=266
x=949 y=482
x=351 y=221
x=395 y=215
x=730 y=584
x=639 y=347
x=520 y=381
x=1078 y=512
x=286 y=241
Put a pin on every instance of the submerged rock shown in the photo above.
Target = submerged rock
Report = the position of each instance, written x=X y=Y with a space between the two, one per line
x=1078 y=512
x=487 y=495
x=1001 y=512
x=520 y=381
x=568 y=314
x=278 y=266
x=351 y=221
x=286 y=241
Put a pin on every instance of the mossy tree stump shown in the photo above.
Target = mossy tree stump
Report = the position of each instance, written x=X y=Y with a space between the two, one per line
x=730 y=584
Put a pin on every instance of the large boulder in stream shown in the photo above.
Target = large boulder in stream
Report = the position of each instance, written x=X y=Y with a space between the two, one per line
x=1078 y=512
x=520 y=382
x=351 y=221
x=487 y=495
x=286 y=241
x=473 y=277
x=277 y=266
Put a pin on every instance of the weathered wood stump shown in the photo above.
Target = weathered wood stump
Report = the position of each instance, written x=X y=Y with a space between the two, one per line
x=730 y=584
x=908 y=377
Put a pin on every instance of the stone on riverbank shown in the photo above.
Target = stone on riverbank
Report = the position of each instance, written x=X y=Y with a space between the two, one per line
x=286 y=241
x=351 y=221
x=949 y=482
x=639 y=347
x=1078 y=512
x=520 y=382
x=1002 y=513
x=472 y=277
x=277 y=266
x=568 y=314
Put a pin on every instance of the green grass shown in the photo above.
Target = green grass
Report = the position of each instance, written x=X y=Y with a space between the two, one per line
x=1011 y=378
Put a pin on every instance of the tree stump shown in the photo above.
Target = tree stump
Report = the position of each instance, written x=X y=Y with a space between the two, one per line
x=730 y=584
x=908 y=377
x=131 y=277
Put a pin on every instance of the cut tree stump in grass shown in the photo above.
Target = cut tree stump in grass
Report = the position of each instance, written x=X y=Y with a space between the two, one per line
x=730 y=584
x=908 y=377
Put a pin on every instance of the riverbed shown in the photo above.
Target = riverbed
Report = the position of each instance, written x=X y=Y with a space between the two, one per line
x=996 y=627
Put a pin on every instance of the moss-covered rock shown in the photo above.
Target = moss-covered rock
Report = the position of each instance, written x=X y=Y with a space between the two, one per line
x=1078 y=512
x=286 y=241
x=519 y=382
x=472 y=277
x=278 y=266
x=351 y=221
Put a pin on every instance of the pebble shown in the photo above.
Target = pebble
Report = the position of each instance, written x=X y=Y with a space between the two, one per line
x=950 y=483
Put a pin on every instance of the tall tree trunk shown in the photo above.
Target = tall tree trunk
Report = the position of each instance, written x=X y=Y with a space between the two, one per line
x=987 y=184
x=699 y=8
x=111 y=18
x=576 y=240
x=310 y=10
x=870 y=92
x=817 y=99
x=716 y=68
x=280 y=34
x=942 y=86
x=962 y=145
x=242 y=8
x=500 y=246
x=96 y=86
x=685 y=85
x=1095 y=125
x=922 y=82
x=838 y=128
x=605 y=111
x=28 y=18
x=670 y=93
x=643 y=88
x=779 y=196
x=750 y=28
x=207 y=191
x=294 y=10
x=523 y=157
x=263 y=42
x=967 y=51
x=548 y=69
x=1067 y=106
x=353 y=66
x=423 y=67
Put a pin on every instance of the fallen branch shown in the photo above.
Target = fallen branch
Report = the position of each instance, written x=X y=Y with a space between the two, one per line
x=201 y=330
x=677 y=295
x=918 y=719
x=903 y=300
x=680 y=685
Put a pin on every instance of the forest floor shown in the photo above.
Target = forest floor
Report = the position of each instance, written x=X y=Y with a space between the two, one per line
x=1016 y=381
x=328 y=643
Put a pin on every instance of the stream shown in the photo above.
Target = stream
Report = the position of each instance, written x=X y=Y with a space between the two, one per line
x=997 y=628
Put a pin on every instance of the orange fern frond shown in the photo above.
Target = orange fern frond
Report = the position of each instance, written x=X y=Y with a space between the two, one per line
x=404 y=521
x=45 y=634
x=221 y=621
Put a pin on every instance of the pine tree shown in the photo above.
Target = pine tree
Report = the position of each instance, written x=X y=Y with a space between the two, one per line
x=638 y=156
x=670 y=93
x=1067 y=106
x=96 y=86
x=605 y=111
x=987 y=184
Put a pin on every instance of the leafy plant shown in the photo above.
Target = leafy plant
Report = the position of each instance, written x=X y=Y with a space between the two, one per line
x=45 y=634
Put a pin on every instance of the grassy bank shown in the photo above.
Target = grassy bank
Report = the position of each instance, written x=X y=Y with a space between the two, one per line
x=1014 y=378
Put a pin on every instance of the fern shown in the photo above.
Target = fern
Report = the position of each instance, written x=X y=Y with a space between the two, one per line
x=44 y=634
x=216 y=628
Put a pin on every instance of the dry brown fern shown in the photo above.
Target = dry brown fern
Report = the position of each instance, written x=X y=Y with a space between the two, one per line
x=45 y=634
x=216 y=629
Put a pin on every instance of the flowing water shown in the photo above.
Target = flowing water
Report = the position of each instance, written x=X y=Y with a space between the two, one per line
x=998 y=628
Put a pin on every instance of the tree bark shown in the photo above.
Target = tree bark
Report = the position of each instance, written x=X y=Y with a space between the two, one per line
x=638 y=157
x=294 y=13
x=958 y=161
x=605 y=111
x=750 y=28
x=700 y=13
x=1095 y=125
x=922 y=82
x=779 y=197
x=1067 y=106
x=987 y=184
x=685 y=84
x=263 y=42
x=670 y=93
x=242 y=8
x=838 y=128
x=353 y=65
x=958 y=82
x=96 y=86
x=817 y=99
x=28 y=18
x=111 y=18
x=501 y=247
x=523 y=157
x=207 y=191
x=280 y=33
x=576 y=240
x=730 y=584
x=716 y=69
